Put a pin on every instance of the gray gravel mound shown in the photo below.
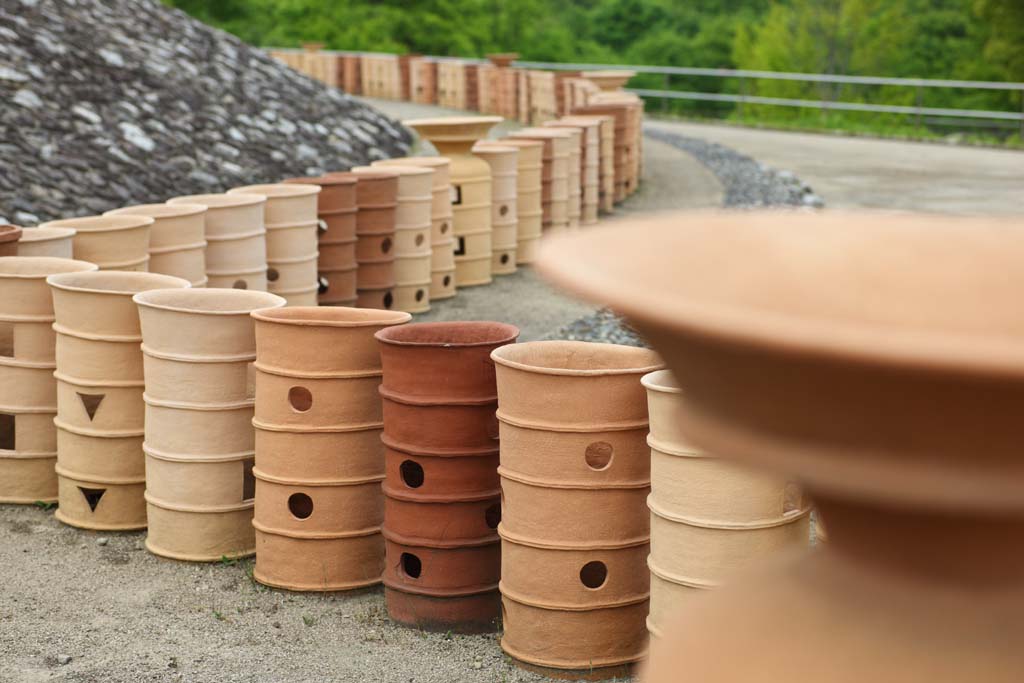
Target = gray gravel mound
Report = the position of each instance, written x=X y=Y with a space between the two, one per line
x=116 y=102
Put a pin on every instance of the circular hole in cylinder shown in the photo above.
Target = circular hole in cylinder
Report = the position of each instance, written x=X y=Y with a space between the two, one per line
x=420 y=294
x=504 y=259
x=323 y=284
x=447 y=280
x=419 y=240
x=300 y=505
x=503 y=210
x=411 y=565
x=388 y=300
x=492 y=516
x=444 y=227
x=385 y=246
x=594 y=574
x=412 y=474
x=599 y=455
x=272 y=274
x=240 y=284
x=300 y=399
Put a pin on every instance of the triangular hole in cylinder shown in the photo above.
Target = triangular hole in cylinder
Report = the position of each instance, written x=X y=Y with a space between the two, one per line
x=91 y=403
x=92 y=496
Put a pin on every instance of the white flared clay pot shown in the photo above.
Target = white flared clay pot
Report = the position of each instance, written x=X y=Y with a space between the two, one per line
x=287 y=203
x=111 y=242
x=228 y=214
x=52 y=242
x=290 y=241
x=442 y=283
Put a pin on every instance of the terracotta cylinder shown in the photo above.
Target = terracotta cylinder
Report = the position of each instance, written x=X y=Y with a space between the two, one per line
x=28 y=390
x=575 y=475
x=471 y=191
x=577 y=156
x=100 y=411
x=327 y=506
x=441 y=486
x=177 y=239
x=621 y=144
x=111 y=242
x=53 y=242
x=377 y=199
x=199 y=438
x=555 y=174
x=590 y=164
x=9 y=236
x=236 y=245
x=503 y=160
x=529 y=206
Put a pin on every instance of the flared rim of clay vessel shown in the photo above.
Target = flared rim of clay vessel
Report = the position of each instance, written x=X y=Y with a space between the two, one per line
x=419 y=161
x=208 y=301
x=494 y=148
x=576 y=358
x=117 y=282
x=159 y=210
x=513 y=142
x=219 y=200
x=460 y=334
x=373 y=172
x=901 y=289
x=46 y=234
x=454 y=128
x=9 y=233
x=662 y=381
x=276 y=190
x=331 y=316
x=541 y=133
x=40 y=267
x=347 y=176
x=324 y=180
x=400 y=169
x=102 y=223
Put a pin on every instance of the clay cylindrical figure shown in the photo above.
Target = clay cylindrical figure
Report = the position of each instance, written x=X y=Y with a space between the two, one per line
x=177 y=239
x=590 y=163
x=622 y=144
x=28 y=390
x=529 y=208
x=555 y=174
x=111 y=242
x=318 y=518
x=471 y=191
x=236 y=243
x=53 y=242
x=609 y=80
x=197 y=346
x=442 y=240
x=503 y=160
x=100 y=413
x=290 y=217
x=575 y=173
x=575 y=473
x=336 y=209
x=377 y=199
x=442 y=497
x=9 y=236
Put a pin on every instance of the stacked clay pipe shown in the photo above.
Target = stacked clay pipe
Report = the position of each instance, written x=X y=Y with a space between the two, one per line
x=454 y=138
x=709 y=517
x=290 y=217
x=575 y=473
x=111 y=242
x=177 y=239
x=555 y=174
x=236 y=239
x=197 y=347
x=529 y=209
x=377 y=200
x=503 y=160
x=336 y=209
x=442 y=242
x=9 y=237
x=28 y=390
x=442 y=495
x=590 y=163
x=318 y=517
x=621 y=144
x=575 y=173
x=52 y=242
x=412 y=237
x=100 y=412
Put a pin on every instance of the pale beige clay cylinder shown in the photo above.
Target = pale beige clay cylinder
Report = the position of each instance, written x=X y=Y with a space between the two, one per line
x=53 y=242
x=529 y=207
x=111 y=242
x=503 y=160
x=199 y=442
x=177 y=239
x=590 y=163
x=377 y=200
x=575 y=173
x=100 y=412
x=28 y=390
x=555 y=178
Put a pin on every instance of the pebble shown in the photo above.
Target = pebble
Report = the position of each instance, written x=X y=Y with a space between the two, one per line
x=102 y=540
x=63 y=660
x=27 y=98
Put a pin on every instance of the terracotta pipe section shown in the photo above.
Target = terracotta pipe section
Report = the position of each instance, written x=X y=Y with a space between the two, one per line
x=442 y=497
x=709 y=518
x=101 y=468
x=554 y=176
x=589 y=163
x=111 y=242
x=28 y=390
x=52 y=242
x=504 y=163
x=9 y=236
x=575 y=472
x=177 y=239
x=318 y=518
x=198 y=346
x=377 y=199
x=336 y=211
x=529 y=207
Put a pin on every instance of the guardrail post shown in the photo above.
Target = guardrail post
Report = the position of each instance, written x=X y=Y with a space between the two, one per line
x=918 y=94
x=743 y=95
x=664 y=100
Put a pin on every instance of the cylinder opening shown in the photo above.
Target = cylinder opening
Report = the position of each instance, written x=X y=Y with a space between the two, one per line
x=272 y=274
x=385 y=245
x=412 y=474
x=7 y=432
x=594 y=574
x=300 y=505
x=599 y=455
x=7 y=339
x=493 y=516
x=240 y=284
x=300 y=399
x=411 y=565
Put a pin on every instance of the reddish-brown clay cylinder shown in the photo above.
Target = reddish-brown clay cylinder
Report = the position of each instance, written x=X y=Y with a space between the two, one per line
x=9 y=236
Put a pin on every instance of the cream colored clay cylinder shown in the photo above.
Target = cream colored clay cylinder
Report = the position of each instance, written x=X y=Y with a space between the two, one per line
x=575 y=175
x=53 y=242
x=529 y=206
x=590 y=178
x=199 y=442
x=111 y=242
x=503 y=160
x=236 y=244
x=177 y=239
x=28 y=390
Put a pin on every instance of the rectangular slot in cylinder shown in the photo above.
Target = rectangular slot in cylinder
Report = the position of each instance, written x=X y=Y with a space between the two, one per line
x=7 y=432
x=7 y=339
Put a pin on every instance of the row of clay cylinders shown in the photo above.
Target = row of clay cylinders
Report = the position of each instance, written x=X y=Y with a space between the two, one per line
x=290 y=217
x=377 y=201
x=442 y=496
x=111 y=242
x=442 y=240
x=101 y=470
x=412 y=237
x=575 y=173
x=554 y=174
x=336 y=209
x=620 y=144
x=52 y=242
x=236 y=239
x=504 y=162
x=177 y=239
x=28 y=390
x=575 y=473
x=319 y=458
x=590 y=162
x=709 y=517
x=197 y=346
x=529 y=210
